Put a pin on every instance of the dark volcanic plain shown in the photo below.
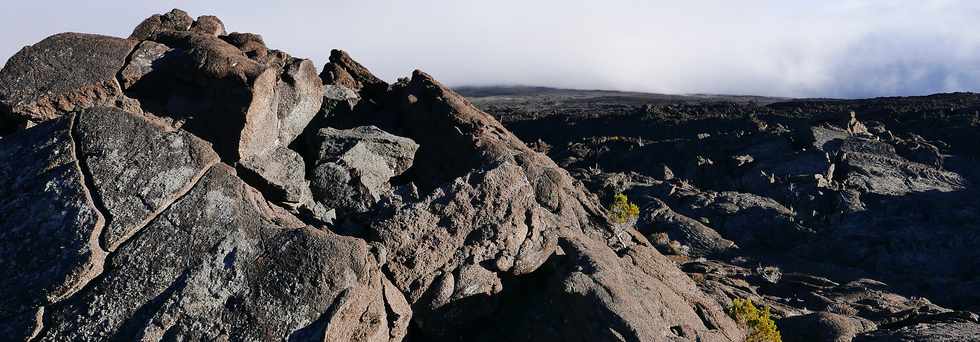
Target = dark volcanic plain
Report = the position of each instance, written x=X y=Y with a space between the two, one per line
x=837 y=195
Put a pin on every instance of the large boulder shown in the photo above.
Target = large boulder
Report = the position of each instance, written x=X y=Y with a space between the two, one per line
x=352 y=168
x=194 y=252
x=60 y=74
x=170 y=161
x=188 y=275
x=491 y=214
x=221 y=91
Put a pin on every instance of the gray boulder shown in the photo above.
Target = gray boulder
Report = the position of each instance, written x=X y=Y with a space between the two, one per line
x=217 y=266
x=493 y=213
x=110 y=141
x=353 y=167
x=397 y=153
x=229 y=90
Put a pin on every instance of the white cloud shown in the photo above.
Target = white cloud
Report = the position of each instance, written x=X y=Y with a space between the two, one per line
x=844 y=48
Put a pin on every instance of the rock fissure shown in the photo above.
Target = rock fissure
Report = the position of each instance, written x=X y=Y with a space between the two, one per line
x=89 y=186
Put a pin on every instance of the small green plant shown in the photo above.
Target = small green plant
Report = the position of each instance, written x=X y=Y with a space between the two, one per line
x=759 y=322
x=623 y=215
x=622 y=211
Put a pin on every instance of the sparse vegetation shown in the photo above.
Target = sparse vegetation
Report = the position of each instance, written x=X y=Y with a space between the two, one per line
x=623 y=214
x=622 y=211
x=759 y=322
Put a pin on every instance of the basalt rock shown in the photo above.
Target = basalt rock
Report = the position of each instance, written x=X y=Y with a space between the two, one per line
x=490 y=215
x=352 y=168
x=191 y=251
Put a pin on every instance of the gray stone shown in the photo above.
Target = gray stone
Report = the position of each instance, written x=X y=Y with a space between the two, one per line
x=702 y=240
x=642 y=296
x=146 y=59
x=216 y=266
x=299 y=94
x=281 y=173
x=169 y=161
x=396 y=152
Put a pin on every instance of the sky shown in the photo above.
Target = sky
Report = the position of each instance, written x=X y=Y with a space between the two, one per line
x=788 y=48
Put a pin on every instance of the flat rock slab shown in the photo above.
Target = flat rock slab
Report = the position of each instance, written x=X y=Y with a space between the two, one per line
x=215 y=266
x=137 y=167
x=62 y=73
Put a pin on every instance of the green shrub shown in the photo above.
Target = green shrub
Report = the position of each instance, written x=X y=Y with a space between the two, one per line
x=621 y=211
x=759 y=323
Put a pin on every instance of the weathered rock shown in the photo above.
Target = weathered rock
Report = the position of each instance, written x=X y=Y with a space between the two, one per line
x=640 y=294
x=281 y=173
x=702 y=240
x=873 y=166
x=148 y=58
x=396 y=152
x=493 y=211
x=175 y=20
x=299 y=94
x=110 y=141
x=245 y=105
x=353 y=167
x=747 y=219
x=822 y=326
x=345 y=71
x=188 y=275
x=63 y=73
x=209 y=24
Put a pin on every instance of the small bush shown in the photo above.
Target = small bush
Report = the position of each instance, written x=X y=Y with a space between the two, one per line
x=621 y=211
x=759 y=323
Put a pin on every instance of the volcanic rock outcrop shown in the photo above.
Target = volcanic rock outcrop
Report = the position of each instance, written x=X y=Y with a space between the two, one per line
x=189 y=183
